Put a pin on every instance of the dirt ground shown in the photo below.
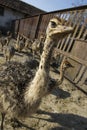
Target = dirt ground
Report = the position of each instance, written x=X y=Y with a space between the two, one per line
x=64 y=109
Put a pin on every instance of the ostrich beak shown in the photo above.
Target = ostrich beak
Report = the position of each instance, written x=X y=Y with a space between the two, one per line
x=71 y=66
x=68 y=64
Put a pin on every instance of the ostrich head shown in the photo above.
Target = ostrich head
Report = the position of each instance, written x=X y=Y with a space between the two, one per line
x=66 y=64
x=56 y=29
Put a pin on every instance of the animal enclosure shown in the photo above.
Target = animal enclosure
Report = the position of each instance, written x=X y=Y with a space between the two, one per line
x=74 y=47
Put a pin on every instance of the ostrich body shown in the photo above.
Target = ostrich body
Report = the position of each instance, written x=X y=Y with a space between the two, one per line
x=5 y=40
x=41 y=43
x=28 y=43
x=9 y=52
x=2 y=42
x=37 y=45
x=20 y=43
x=8 y=37
x=18 y=99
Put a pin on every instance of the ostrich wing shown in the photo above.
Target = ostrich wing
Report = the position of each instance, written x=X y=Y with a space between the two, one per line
x=17 y=75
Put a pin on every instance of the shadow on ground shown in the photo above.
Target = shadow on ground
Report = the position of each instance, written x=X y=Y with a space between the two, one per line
x=60 y=93
x=67 y=121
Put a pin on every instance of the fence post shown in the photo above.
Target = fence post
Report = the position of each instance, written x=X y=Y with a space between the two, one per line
x=38 y=25
x=18 y=26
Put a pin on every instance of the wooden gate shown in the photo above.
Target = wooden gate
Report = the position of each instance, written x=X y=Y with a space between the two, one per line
x=74 y=46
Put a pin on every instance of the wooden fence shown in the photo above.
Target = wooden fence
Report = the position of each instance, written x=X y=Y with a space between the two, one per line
x=74 y=46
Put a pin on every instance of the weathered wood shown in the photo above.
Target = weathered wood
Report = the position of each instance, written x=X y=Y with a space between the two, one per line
x=64 y=40
x=73 y=57
x=83 y=81
x=77 y=24
x=82 y=29
x=85 y=36
x=70 y=23
x=79 y=75
x=81 y=40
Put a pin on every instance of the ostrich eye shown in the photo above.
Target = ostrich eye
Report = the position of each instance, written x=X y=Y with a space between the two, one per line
x=53 y=24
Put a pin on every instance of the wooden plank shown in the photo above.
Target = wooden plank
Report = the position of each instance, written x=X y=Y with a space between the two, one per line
x=70 y=22
x=72 y=72
x=81 y=40
x=83 y=81
x=83 y=62
x=64 y=39
x=43 y=24
x=82 y=29
x=79 y=18
x=76 y=15
x=17 y=25
x=34 y=27
x=59 y=43
x=78 y=77
x=84 y=36
x=79 y=50
x=80 y=87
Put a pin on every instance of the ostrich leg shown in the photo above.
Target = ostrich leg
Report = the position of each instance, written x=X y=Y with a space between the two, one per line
x=2 y=121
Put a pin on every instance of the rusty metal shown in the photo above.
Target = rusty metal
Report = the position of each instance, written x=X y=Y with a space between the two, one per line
x=74 y=47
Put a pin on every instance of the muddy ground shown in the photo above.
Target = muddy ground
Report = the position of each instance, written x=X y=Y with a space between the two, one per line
x=64 y=109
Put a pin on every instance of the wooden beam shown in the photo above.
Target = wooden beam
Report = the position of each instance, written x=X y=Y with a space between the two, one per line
x=83 y=62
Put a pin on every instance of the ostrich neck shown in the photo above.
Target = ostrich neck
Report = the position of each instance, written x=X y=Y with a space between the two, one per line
x=38 y=87
x=46 y=55
x=18 y=38
x=61 y=76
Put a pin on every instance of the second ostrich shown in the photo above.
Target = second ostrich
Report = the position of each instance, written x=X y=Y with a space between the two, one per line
x=63 y=67
x=21 y=100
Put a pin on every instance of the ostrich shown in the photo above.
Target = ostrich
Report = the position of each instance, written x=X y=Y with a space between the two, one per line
x=38 y=45
x=8 y=37
x=41 y=43
x=17 y=40
x=20 y=97
x=20 y=43
x=35 y=46
x=3 y=41
x=28 y=43
x=65 y=64
x=9 y=52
